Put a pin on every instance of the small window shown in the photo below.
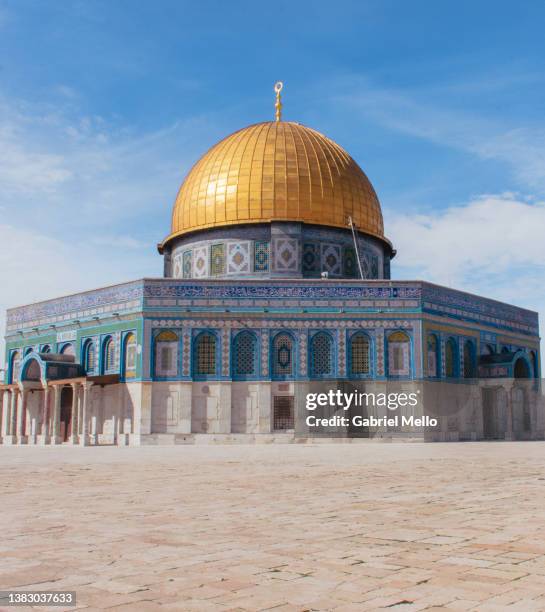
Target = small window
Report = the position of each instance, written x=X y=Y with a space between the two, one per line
x=359 y=355
x=283 y=409
x=451 y=358
x=398 y=354
x=166 y=354
x=89 y=356
x=205 y=354
x=245 y=355
x=68 y=349
x=283 y=355
x=469 y=360
x=321 y=356
x=433 y=356
x=15 y=366
x=130 y=355
x=109 y=355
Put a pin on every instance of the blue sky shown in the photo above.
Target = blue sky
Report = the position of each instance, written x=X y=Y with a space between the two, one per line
x=104 y=106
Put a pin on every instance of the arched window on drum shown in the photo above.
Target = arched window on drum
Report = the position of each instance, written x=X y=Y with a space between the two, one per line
x=166 y=354
x=129 y=356
x=399 y=354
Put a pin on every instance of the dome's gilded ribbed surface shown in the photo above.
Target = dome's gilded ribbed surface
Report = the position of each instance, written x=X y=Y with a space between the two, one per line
x=276 y=171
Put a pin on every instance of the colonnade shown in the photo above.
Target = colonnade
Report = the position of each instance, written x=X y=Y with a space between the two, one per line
x=19 y=427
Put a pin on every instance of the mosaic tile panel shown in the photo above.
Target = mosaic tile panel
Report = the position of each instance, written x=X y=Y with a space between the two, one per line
x=311 y=257
x=200 y=262
x=225 y=352
x=341 y=353
x=186 y=265
x=350 y=263
x=217 y=259
x=177 y=267
x=379 y=343
x=331 y=259
x=265 y=340
x=186 y=352
x=285 y=253
x=238 y=257
x=303 y=365
x=261 y=256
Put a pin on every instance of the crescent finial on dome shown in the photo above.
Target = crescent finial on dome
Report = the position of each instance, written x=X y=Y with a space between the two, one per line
x=278 y=86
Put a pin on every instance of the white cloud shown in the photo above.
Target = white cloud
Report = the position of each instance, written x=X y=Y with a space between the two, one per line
x=36 y=267
x=84 y=201
x=520 y=147
x=492 y=246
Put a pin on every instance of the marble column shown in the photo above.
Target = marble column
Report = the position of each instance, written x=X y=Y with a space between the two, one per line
x=21 y=417
x=3 y=393
x=84 y=439
x=55 y=436
x=10 y=437
x=75 y=411
x=44 y=437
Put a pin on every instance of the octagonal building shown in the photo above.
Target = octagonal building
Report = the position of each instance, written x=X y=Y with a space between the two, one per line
x=276 y=283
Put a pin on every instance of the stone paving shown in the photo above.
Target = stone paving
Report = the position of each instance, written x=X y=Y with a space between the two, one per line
x=285 y=527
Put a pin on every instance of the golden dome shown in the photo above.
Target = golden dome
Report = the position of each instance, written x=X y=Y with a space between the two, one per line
x=276 y=171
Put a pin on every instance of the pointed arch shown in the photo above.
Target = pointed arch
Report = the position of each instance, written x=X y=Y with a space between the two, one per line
x=129 y=355
x=433 y=356
x=360 y=354
x=283 y=356
x=108 y=355
x=14 y=366
x=451 y=358
x=205 y=355
x=321 y=355
x=469 y=360
x=89 y=356
x=245 y=355
x=399 y=354
x=165 y=351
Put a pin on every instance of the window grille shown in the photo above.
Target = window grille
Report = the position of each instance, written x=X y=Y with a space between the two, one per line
x=109 y=355
x=130 y=355
x=450 y=358
x=15 y=366
x=360 y=354
x=432 y=355
x=398 y=354
x=245 y=354
x=283 y=412
x=90 y=357
x=469 y=364
x=206 y=355
x=321 y=354
x=166 y=353
x=283 y=355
